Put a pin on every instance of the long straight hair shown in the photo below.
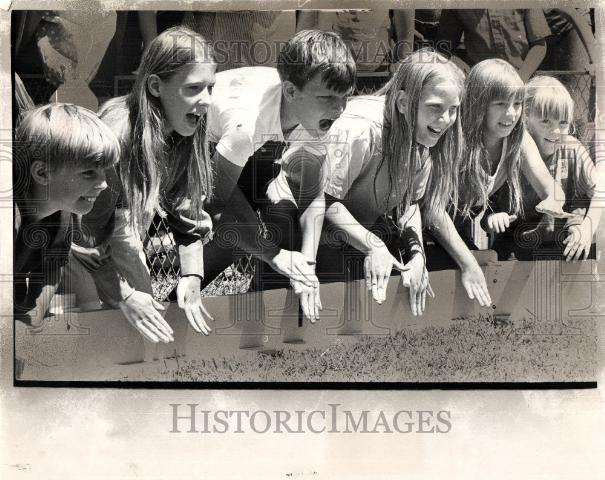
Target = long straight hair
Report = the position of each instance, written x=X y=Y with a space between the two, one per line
x=488 y=81
x=400 y=150
x=154 y=170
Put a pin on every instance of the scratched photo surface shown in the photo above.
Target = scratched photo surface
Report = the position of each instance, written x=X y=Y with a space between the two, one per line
x=410 y=197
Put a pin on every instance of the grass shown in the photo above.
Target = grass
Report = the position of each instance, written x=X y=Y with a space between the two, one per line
x=470 y=350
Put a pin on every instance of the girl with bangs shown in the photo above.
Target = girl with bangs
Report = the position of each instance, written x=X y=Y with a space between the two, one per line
x=390 y=156
x=498 y=149
x=164 y=168
x=549 y=110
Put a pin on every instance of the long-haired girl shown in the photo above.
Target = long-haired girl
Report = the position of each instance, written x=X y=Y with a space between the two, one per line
x=549 y=111
x=399 y=150
x=498 y=149
x=164 y=166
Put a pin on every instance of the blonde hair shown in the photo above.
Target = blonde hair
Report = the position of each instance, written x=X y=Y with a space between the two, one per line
x=548 y=97
x=488 y=81
x=400 y=152
x=154 y=170
x=62 y=135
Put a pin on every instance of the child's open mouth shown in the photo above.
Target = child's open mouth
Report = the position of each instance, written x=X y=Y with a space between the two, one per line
x=506 y=124
x=551 y=141
x=434 y=131
x=193 y=118
x=90 y=199
x=325 y=124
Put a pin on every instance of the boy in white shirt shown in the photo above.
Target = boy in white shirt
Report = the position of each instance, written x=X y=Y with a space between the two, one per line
x=257 y=114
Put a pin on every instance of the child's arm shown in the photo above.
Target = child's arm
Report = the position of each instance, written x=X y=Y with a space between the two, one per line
x=311 y=222
x=417 y=278
x=581 y=232
x=379 y=262
x=472 y=276
x=534 y=169
x=91 y=248
x=288 y=263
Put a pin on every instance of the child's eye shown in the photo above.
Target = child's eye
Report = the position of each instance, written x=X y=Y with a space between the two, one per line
x=88 y=173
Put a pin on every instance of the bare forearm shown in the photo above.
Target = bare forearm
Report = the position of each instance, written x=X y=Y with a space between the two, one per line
x=356 y=235
x=311 y=222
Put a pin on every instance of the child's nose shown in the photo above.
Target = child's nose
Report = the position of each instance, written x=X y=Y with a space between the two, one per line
x=511 y=111
x=445 y=118
x=339 y=105
x=102 y=183
x=205 y=99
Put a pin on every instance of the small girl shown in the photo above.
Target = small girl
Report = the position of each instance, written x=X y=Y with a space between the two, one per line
x=498 y=149
x=164 y=166
x=549 y=110
x=399 y=150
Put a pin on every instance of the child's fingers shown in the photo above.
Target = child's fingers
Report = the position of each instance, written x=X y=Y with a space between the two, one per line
x=161 y=324
x=430 y=291
x=385 y=286
x=414 y=307
x=142 y=328
x=306 y=307
x=157 y=330
x=368 y=273
x=206 y=313
x=191 y=320
x=512 y=218
x=400 y=267
x=157 y=305
x=579 y=252
x=482 y=295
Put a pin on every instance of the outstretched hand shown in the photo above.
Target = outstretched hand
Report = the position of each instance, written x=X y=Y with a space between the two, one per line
x=475 y=285
x=378 y=265
x=499 y=222
x=189 y=298
x=141 y=311
x=578 y=241
x=417 y=281
x=310 y=301
x=295 y=266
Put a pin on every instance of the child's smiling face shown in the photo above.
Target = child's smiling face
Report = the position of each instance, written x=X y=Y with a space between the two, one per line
x=185 y=97
x=75 y=189
x=547 y=132
x=502 y=116
x=437 y=111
